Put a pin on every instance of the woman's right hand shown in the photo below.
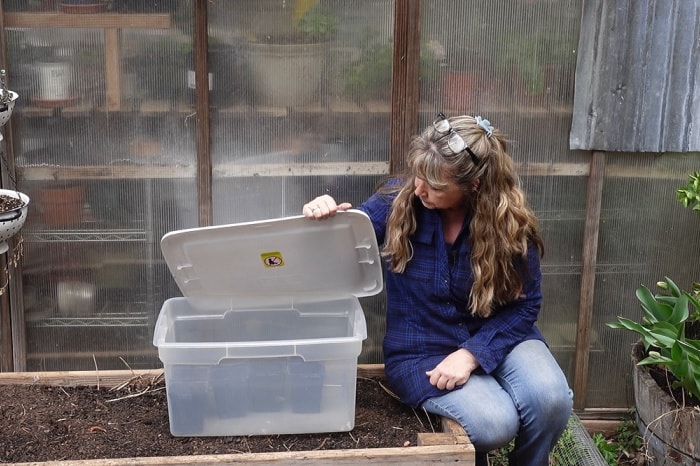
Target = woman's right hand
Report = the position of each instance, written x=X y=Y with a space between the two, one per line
x=323 y=207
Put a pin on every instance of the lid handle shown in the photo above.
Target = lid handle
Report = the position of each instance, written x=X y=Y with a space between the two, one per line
x=184 y=271
x=364 y=251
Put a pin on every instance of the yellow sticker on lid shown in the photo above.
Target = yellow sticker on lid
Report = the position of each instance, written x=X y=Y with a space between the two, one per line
x=272 y=259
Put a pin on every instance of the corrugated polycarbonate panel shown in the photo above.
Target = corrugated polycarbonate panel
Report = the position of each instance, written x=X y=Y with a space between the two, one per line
x=105 y=157
x=297 y=121
x=638 y=75
x=645 y=235
x=498 y=57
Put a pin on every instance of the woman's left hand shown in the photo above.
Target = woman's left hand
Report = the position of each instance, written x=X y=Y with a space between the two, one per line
x=323 y=207
x=454 y=370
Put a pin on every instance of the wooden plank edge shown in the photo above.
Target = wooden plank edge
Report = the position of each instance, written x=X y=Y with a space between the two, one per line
x=462 y=453
x=106 y=379
x=93 y=20
x=440 y=438
x=603 y=426
x=112 y=378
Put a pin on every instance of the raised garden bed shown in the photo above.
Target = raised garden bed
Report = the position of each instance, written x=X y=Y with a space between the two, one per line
x=449 y=445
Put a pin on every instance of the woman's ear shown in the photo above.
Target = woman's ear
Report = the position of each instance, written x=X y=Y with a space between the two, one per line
x=475 y=188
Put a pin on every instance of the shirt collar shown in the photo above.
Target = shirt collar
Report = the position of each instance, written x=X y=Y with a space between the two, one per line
x=429 y=221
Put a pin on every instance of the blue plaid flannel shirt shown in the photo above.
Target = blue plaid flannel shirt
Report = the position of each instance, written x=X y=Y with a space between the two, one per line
x=427 y=316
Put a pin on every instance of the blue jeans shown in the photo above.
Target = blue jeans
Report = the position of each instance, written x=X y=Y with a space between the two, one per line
x=527 y=398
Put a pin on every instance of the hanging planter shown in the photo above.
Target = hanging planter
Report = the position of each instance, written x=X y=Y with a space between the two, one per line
x=13 y=213
x=7 y=100
x=7 y=105
x=13 y=204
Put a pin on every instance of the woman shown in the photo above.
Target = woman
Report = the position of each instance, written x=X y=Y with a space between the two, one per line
x=463 y=251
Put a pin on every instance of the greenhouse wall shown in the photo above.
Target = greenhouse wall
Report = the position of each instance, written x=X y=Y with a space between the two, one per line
x=121 y=144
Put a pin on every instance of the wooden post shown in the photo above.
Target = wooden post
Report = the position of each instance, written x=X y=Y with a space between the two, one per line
x=596 y=179
x=405 y=84
x=113 y=69
x=201 y=73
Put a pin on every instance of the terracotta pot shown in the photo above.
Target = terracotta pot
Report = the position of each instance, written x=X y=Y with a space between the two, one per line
x=61 y=205
x=672 y=434
x=459 y=91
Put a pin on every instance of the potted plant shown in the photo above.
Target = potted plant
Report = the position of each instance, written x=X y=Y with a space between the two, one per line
x=225 y=80
x=667 y=362
x=286 y=64
x=369 y=76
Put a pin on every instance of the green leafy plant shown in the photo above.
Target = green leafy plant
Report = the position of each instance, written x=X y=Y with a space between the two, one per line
x=670 y=325
x=318 y=24
x=627 y=437
x=606 y=448
x=533 y=55
x=369 y=76
x=623 y=444
x=664 y=333
x=689 y=195
x=314 y=24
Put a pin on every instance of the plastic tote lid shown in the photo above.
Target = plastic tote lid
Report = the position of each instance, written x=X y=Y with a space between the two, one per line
x=289 y=256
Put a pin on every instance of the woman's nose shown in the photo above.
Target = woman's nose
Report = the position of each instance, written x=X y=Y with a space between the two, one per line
x=420 y=187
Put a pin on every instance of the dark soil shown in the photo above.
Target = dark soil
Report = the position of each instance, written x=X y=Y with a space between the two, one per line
x=44 y=423
x=9 y=203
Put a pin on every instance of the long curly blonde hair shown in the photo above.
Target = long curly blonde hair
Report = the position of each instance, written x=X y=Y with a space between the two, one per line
x=502 y=224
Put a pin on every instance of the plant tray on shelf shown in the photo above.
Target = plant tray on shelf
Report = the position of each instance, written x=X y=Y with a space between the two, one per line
x=54 y=103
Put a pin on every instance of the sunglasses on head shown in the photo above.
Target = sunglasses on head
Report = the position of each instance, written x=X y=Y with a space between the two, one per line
x=454 y=141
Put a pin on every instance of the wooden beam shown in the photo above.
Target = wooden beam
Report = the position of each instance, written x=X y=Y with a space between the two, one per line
x=403 y=456
x=6 y=364
x=405 y=95
x=113 y=69
x=594 y=196
x=201 y=72
x=97 y=20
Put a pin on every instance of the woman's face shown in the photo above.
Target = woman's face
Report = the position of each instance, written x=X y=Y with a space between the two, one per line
x=450 y=197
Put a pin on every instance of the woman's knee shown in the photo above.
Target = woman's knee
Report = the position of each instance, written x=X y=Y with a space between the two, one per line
x=493 y=433
x=489 y=417
x=542 y=394
x=493 y=425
